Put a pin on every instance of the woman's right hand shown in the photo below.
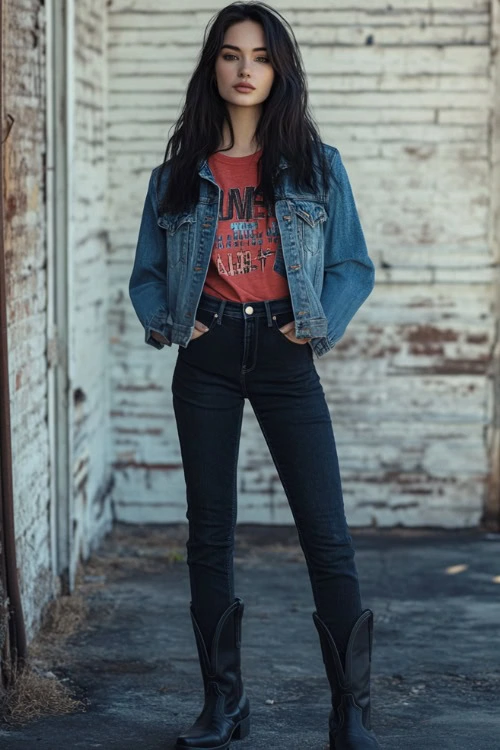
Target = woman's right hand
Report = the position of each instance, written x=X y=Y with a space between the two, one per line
x=159 y=337
x=199 y=330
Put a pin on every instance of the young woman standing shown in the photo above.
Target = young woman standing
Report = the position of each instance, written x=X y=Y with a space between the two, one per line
x=251 y=258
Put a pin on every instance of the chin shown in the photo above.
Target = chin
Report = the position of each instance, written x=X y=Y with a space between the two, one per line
x=248 y=101
x=236 y=102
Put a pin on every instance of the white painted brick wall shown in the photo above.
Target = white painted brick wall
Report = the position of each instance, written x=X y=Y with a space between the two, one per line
x=92 y=451
x=404 y=91
x=26 y=258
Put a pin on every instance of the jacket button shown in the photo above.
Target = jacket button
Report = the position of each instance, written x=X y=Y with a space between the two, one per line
x=249 y=309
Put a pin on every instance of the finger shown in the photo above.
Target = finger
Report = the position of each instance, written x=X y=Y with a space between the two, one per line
x=288 y=327
x=295 y=340
x=200 y=326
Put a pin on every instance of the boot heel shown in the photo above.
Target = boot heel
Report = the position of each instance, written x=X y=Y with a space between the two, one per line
x=242 y=730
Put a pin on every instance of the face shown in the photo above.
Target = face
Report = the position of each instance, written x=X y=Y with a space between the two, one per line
x=243 y=59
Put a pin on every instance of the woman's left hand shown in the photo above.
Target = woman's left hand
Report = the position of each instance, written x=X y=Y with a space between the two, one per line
x=288 y=330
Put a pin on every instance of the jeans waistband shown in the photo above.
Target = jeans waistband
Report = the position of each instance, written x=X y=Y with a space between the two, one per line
x=242 y=310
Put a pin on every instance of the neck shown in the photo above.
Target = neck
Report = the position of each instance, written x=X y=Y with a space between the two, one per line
x=244 y=121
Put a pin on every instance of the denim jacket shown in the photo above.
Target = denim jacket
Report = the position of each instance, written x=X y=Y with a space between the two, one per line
x=323 y=255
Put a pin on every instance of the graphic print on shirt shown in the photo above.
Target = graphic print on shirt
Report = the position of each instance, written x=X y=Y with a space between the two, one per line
x=249 y=240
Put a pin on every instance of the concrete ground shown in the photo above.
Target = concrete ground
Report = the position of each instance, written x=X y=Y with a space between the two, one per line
x=436 y=658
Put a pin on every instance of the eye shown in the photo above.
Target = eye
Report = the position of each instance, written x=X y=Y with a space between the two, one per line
x=266 y=59
x=227 y=56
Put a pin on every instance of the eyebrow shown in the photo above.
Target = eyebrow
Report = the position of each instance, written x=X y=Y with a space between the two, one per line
x=255 y=49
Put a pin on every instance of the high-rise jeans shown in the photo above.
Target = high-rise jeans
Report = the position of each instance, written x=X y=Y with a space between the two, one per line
x=245 y=355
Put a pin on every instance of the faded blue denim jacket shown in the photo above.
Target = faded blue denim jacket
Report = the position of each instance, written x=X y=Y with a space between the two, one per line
x=323 y=255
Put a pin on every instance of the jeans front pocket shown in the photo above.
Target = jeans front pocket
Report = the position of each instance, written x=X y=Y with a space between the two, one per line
x=281 y=320
x=207 y=318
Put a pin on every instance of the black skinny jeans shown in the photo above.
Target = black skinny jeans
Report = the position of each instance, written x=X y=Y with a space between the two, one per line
x=244 y=355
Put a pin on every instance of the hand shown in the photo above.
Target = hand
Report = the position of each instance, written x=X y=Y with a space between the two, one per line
x=199 y=330
x=288 y=329
x=159 y=337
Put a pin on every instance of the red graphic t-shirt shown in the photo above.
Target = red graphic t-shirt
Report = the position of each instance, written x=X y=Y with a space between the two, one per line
x=247 y=236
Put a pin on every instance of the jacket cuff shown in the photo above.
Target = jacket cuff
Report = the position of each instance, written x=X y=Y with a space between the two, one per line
x=149 y=339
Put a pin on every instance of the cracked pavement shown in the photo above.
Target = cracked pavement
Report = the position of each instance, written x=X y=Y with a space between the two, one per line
x=435 y=665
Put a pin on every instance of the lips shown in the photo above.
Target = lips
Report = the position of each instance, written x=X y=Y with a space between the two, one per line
x=244 y=87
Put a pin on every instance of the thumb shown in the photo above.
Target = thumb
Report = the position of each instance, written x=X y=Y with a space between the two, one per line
x=288 y=327
x=200 y=326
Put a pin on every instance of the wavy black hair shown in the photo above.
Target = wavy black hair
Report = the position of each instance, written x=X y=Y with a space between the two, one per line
x=285 y=127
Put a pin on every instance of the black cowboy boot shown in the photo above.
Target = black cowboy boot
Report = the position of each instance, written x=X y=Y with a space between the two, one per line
x=349 y=721
x=226 y=712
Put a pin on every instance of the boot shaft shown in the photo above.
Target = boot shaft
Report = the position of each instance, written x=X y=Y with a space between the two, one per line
x=226 y=710
x=220 y=661
x=354 y=678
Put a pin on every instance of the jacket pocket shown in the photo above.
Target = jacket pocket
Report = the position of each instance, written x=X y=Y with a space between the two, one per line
x=179 y=228
x=310 y=216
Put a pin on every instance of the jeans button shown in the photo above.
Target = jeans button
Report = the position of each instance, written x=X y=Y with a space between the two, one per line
x=249 y=309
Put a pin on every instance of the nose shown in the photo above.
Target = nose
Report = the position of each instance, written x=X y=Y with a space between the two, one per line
x=244 y=71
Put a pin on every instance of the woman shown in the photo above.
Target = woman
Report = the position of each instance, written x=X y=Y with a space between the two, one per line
x=251 y=258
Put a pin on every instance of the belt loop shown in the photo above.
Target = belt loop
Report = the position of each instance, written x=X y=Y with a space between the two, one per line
x=268 y=314
x=220 y=311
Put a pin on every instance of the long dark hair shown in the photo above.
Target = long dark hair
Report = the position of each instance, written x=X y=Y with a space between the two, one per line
x=285 y=127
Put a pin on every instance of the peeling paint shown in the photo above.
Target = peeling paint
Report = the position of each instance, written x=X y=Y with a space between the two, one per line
x=428 y=333
x=412 y=370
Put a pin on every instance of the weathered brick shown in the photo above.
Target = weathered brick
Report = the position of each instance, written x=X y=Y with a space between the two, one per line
x=409 y=108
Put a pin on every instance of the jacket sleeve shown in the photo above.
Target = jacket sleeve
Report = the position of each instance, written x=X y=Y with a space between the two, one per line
x=148 y=282
x=349 y=273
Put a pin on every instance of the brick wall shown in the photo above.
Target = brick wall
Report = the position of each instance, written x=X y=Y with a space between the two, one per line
x=24 y=184
x=405 y=91
x=25 y=256
x=90 y=386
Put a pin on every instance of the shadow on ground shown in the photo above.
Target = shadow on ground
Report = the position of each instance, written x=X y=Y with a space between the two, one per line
x=435 y=668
